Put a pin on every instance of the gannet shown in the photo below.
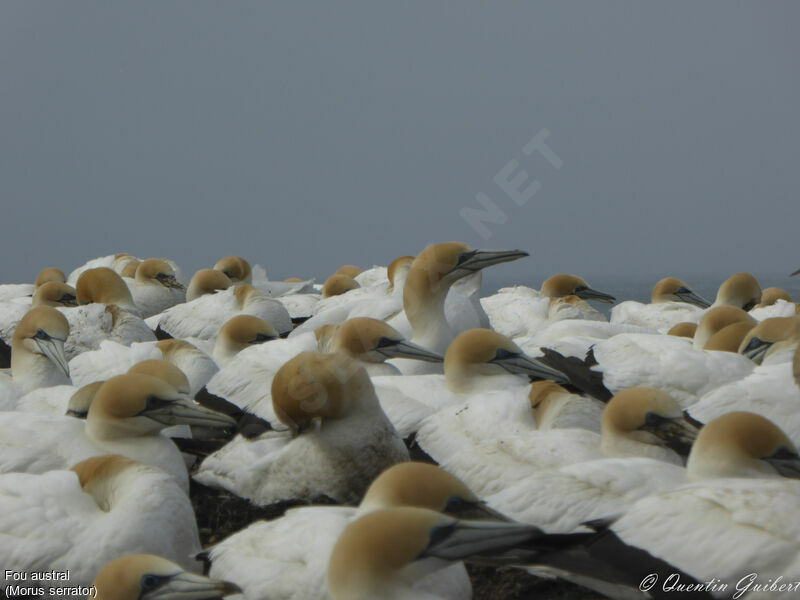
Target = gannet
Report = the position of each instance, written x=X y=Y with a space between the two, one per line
x=129 y=270
x=77 y=402
x=477 y=361
x=490 y=444
x=729 y=338
x=671 y=302
x=429 y=279
x=125 y=417
x=240 y=332
x=37 y=355
x=396 y=553
x=246 y=380
x=683 y=329
x=151 y=577
x=378 y=300
x=107 y=312
x=668 y=363
x=116 y=262
x=554 y=407
x=15 y=291
x=202 y=318
x=338 y=284
x=770 y=339
x=49 y=274
x=349 y=270
x=48 y=294
x=206 y=281
x=236 y=268
x=768 y=390
x=717 y=318
x=113 y=358
x=741 y=290
x=338 y=441
x=287 y=558
x=103 y=507
x=520 y=311
x=738 y=517
x=155 y=287
x=771 y=295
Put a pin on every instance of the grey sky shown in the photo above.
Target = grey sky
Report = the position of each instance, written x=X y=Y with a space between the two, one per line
x=305 y=136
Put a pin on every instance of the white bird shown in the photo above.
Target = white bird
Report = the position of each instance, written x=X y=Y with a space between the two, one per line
x=238 y=333
x=477 y=361
x=738 y=517
x=115 y=359
x=236 y=268
x=246 y=379
x=338 y=441
x=19 y=291
x=125 y=417
x=107 y=312
x=392 y=553
x=115 y=262
x=103 y=507
x=521 y=311
x=287 y=558
x=489 y=443
x=715 y=320
x=155 y=288
x=429 y=279
x=37 y=355
x=151 y=577
x=205 y=282
x=668 y=363
x=51 y=293
x=671 y=302
x=203 y=316
x=768 y=390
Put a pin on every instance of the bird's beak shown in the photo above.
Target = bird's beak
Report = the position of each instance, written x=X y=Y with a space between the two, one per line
x=403 y=349
x=170 y=282
x=756 y=349
x=189 y=586
x=476 y=539
x=590 y=294
x=519 y=364
x=469 y=262
x=68 y=300
x=183 y=411
x=53 y=349
x=786 y=463
x=677 y=434
x=690 y=297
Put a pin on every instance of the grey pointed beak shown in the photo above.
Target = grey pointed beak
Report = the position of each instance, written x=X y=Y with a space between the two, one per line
x=189 y=586
x=53 y=349
x=795 y=273
x=68 y=300
x=475 y=260
x=756 y=349
x=403 y=349
x=678 y=434
x=786 y=463
x=476 y=539
x=183 y=411
x=170 y=282
x=519 y=364
x=686 y=295
x=588 y=293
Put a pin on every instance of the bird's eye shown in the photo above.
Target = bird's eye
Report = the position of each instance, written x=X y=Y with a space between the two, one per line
x=453 y=505
x=503 y=354
x=681 y=290
x=580 y=288
x=749 y=305
x=149 y=582
x=465 y=256
x=262 y=337
x=384 y=342
x=41 y=334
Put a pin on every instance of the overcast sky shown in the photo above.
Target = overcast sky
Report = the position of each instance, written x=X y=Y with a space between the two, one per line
x=303 y=136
